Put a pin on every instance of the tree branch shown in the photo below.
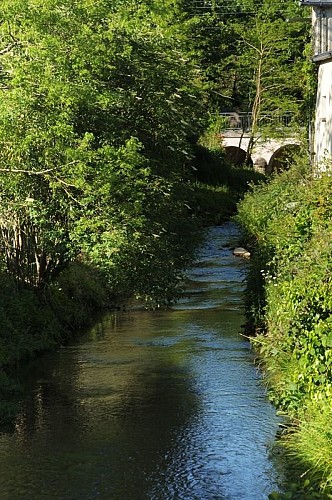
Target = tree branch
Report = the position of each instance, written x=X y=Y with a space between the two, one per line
x=35 y=172
x=7 y=49
x=29 y=172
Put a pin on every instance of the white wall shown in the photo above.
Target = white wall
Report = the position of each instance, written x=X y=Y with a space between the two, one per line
x=322 y=42
x=323 y=118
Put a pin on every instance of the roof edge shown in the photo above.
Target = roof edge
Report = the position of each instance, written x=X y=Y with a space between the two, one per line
x=324 y=56
x=317 y=3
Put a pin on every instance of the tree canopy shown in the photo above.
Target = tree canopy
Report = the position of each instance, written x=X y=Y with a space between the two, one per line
x=100 y=103
x=251 y=50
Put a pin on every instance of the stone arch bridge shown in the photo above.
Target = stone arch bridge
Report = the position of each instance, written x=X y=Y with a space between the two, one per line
x=268 y=155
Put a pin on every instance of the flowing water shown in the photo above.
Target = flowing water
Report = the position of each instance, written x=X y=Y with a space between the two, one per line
x=150 y=404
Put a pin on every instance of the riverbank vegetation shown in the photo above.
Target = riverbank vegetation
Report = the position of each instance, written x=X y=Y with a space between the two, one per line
x=289 y=304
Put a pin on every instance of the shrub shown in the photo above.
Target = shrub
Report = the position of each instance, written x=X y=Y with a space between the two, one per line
x=289 y=225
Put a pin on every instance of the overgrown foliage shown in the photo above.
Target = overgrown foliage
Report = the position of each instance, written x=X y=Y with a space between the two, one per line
x=98 y=102
x=100 y=105
x=288 y=222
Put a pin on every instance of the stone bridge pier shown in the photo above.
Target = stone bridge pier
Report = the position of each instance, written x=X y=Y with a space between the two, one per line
x=268 y=155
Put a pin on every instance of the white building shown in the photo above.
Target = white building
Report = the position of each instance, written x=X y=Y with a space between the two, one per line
x=322 y=42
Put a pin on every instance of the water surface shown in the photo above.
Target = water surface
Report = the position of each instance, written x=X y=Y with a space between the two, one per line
x=150 y=404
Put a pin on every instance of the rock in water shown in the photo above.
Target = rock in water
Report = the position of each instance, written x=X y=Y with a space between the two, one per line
x=241 y=252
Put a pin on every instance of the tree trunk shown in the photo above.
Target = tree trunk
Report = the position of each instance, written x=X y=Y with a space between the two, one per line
x=256 y=107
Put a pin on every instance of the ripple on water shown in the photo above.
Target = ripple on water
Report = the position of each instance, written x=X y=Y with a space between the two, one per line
x=152 y=405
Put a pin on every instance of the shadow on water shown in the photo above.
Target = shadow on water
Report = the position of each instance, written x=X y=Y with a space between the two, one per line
x=150 y=405
x=99 y=423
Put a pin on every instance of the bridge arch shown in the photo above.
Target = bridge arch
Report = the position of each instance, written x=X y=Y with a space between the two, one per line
x=236 y=155
x=282 y=158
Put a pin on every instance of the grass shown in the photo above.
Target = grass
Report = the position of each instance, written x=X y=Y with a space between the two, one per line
x=218 y=185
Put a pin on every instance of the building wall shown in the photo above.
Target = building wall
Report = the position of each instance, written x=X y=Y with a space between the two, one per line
x=322 y=27
x=322 y=48
x=323 y=118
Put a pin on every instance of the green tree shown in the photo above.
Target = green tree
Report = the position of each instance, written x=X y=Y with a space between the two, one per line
x=97 y=104
x=251 y=56
x=271 y=55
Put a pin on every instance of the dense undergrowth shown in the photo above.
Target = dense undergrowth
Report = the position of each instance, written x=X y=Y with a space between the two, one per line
x=288 y=223
x=217 y=184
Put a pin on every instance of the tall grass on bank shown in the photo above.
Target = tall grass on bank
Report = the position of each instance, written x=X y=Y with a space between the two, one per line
x=311 y=444
x=218 y=185
x=288 y=223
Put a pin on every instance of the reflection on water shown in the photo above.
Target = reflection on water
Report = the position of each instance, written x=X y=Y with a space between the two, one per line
x=151 y=405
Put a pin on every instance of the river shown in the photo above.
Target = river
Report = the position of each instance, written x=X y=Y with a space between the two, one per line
x=151 y=405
